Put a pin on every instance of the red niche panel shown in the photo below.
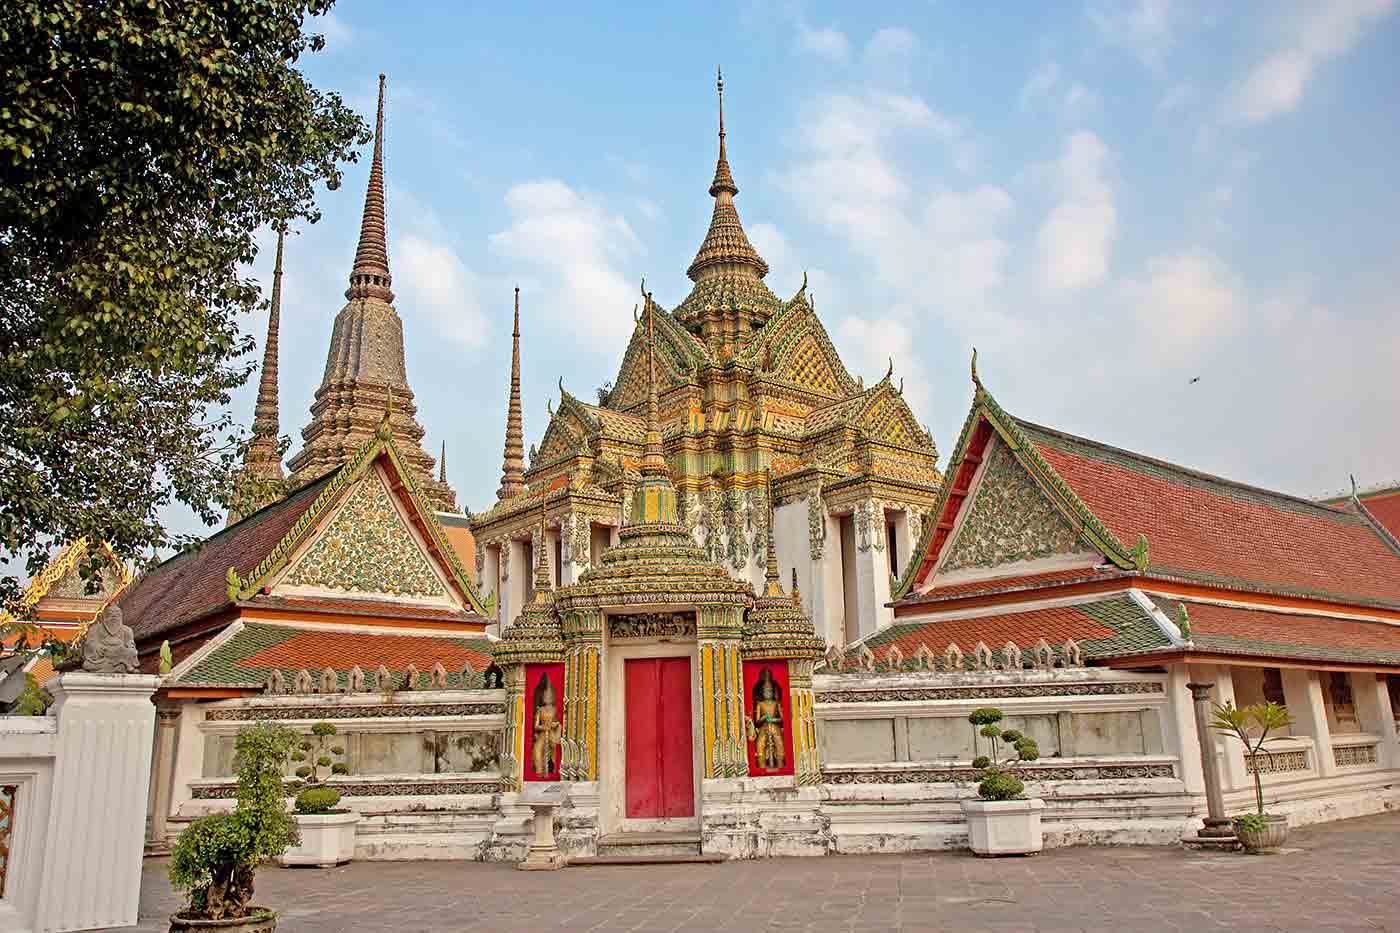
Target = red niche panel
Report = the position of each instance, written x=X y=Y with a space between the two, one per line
x=767 y=704
x=544 y=720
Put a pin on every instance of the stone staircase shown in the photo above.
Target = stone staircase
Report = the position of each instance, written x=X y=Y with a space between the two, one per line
x=648 y=849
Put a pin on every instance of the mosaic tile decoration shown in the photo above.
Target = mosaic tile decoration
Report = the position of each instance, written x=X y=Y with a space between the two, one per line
x=368 y=548
x=7 y=827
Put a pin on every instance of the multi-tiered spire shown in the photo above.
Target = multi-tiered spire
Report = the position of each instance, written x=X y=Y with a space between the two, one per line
x=729 y=298
x=365 y=364
x=262 y=456
x=654 y=499
x=513 y=462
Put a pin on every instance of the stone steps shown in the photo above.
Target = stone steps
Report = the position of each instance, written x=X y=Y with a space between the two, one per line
x=647 y=849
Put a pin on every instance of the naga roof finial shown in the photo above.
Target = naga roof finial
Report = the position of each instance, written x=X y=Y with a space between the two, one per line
x=975 y=381
x=889 y=372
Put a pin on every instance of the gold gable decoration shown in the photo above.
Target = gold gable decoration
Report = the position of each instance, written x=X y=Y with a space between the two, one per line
x=367 y=547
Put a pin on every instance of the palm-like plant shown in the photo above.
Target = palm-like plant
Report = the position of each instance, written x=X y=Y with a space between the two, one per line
x=1252 y=725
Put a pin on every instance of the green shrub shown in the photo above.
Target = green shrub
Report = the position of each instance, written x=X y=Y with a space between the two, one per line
x=1250 y=822
x=216 y=856
x=317 y=799
x=997 y=781
x=319 y=752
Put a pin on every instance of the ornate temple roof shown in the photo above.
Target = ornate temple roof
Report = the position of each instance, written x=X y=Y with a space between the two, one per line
x=365 y=363
x=246 y=654
x=1169 y=522
x=727 y=271
x=230 y=570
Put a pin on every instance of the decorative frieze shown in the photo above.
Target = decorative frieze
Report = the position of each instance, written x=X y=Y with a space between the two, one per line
x=366 y=711
x=968 y=774
x=229 y=790
x=652 y=625
x=1278 y=762
x=816 y=524
x=1354 y=756
x=995 y=691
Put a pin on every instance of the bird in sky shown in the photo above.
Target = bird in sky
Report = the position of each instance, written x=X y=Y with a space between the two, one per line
x=1195 y=379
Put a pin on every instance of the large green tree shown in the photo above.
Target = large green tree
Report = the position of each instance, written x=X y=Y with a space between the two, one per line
x=142 y=144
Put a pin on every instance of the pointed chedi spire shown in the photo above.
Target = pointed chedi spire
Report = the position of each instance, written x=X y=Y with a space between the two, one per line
x=369 y=278
x=513 y=462
x=262 y=454
x=773 y=584
x=654 y=499
x=729 y=298
x=366 y=360
x=442 y=464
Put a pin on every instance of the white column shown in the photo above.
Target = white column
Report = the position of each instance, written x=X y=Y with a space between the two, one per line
x=101 y=776
x=872 y=570
x=1229 y=751
x=1307 y=707
x=513 y=595
x=828 y=587
x=1179 y=722
x=1376 y=714
x=163 y=773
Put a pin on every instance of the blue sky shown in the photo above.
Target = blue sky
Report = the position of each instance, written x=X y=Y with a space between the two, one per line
x=1108 y=200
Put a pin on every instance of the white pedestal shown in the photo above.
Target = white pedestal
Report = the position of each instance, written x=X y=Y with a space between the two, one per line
x=543 y=854
x=1004 y=827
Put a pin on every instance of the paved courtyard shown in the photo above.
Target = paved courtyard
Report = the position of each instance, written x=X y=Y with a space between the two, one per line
x=1339 y=876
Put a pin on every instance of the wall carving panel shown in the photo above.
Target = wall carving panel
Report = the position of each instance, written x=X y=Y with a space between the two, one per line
x=1352 y=756
x=961 y=775
x=1011 y=520
x=921 y=694
x=652 y=625
x=375 y=711
x=368 y=549
x=1279 y=762
x=369 y=789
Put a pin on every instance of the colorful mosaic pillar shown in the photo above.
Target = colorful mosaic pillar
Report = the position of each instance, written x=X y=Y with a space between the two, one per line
x=722 y=691
x=583 y=671
x=804 y=723
x=513 y=738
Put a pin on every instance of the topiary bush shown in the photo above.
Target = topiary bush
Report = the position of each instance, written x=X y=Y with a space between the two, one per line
x=216 y=856
x=314 y=800
x=997 y=779
x=320 y=751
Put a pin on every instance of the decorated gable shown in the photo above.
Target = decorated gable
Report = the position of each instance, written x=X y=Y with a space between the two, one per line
x=566 y=436
x=367 y=548
x=1009 y=520
x=676 y=354
x=887 y=419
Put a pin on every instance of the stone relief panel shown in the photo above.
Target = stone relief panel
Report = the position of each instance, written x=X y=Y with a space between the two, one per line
x=1011 y=520
x=367 y=548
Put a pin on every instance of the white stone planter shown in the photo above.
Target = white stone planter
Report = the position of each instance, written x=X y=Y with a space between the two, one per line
x=1004 y=827
x=327 y=839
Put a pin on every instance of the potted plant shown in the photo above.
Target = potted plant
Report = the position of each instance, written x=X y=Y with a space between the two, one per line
x=1001 y=821
x=1258 y=832
x=217 y=855
x=327 y=830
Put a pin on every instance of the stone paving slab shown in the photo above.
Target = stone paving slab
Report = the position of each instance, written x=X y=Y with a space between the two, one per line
x=1340 y=876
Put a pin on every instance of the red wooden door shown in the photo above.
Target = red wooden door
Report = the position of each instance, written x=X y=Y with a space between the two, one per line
x=660 y=757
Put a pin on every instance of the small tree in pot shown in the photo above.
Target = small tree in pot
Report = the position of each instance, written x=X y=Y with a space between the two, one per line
x=327 y=830
x=217 y=855
x=1002 y=821
x=1257 y=831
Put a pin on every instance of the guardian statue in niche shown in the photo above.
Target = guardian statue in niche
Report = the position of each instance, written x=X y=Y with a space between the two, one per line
x=766 y=727
x=545 y=727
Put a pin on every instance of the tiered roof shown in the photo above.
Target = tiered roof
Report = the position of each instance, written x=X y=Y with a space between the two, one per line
x=1260 y=573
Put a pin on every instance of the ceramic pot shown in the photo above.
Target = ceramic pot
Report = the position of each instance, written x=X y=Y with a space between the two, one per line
x=1269 y=839
x=1004 y=827
x=327 y=839
x=259 y=920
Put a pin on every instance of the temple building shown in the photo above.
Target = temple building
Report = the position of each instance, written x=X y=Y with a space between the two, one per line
x=749 y=387
x=619 y=633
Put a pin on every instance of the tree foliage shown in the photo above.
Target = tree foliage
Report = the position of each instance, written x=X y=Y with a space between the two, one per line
x=1252 y=725
x=216 y=856
x=142 y=144
x=997 y=779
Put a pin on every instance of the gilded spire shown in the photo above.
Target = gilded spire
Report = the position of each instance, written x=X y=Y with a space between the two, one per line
x=774 y=584
x=726 y=246
x=442 y=464
x=724 y=181
x=262 y=454
x=653 y=462
x=542 y=581
x=513 y=463
x=370 y=276
x=654 y=499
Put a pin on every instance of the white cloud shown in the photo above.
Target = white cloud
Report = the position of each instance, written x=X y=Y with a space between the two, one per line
x=1184 y=300
x=825 y=42
x=576 y=243
x=1047 y=87
x=431 y=279
x=649 y=208
x=1276 y=85
x=1040 y=83
x=1143 y=27
x=891 y=42
x=868 y=345
x=1074 y=243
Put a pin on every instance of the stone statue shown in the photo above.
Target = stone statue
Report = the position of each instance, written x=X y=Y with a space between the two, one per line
x=766 y=727
x=108 y=646
x=545 y=728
